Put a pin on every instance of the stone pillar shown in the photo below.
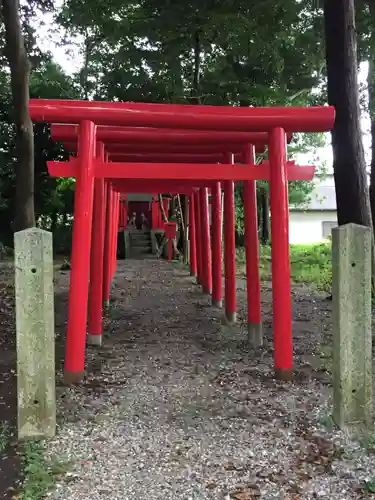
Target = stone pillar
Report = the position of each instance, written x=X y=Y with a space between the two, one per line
x=352 y=351
x=35 y=326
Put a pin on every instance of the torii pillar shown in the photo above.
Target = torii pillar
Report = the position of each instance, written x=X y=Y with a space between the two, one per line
x=95 y=320
x=81 y=246
x=281 y=287
x=198 y=236
x=229 y=250
x=192 y=237
x=217 y=230
x=254 y=322
x=206 y=243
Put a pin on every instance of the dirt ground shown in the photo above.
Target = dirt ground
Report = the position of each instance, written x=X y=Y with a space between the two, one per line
x=161 y=328
x=9 y=460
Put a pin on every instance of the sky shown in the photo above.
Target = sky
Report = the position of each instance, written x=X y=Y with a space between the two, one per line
x=49 y=37
x=70 y=59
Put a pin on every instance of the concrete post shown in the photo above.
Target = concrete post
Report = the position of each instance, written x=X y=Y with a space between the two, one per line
x=35 y=333
x=352 y=354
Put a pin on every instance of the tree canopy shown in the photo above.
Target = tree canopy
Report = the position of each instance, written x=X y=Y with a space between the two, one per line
x=210 y=52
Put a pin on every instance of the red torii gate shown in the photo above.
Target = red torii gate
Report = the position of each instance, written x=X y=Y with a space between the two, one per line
x=273 y=121
x=218 y=118
x=177 y=171
x=172 y=141
x=126 y=140
x=151 y=138
x=211 y=281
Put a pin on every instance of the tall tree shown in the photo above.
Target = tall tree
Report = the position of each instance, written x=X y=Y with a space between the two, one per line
x=201 y=51
x=352 y=195
x=19 y=70
x=371 y=96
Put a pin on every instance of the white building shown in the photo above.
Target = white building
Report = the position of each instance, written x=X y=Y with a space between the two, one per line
x=313 y=222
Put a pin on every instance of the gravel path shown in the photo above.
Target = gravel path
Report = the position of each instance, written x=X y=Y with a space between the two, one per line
x=175 y=406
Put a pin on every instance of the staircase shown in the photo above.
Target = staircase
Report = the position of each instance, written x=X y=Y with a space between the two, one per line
x=139 y=243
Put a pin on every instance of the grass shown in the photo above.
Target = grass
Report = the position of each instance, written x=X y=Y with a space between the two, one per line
x=5 y=435
x=369 y=486
x=325 y=354
x=367 y=441
x=40 y=474
x=310 y=264
x=327 y=421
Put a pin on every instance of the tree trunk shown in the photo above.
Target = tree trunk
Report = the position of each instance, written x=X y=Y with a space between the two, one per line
x=164 y=240
x=19 y=71
x=84 y=74
x=265 y=228
x=54 y=215
x=371 y=105
x=352 y=194
x=197 y=67
x=161 y=205
x=183 y=232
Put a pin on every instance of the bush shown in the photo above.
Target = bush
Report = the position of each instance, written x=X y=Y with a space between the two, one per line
x=311 y=264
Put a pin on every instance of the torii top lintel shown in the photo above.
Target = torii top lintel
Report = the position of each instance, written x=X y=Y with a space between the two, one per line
x=158 y=137
x=291 y=119
x=120 y=147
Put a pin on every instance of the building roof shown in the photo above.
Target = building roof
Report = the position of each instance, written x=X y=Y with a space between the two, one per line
x=323 y=197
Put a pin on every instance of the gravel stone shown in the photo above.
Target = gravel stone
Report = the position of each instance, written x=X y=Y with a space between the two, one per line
x=176 y=406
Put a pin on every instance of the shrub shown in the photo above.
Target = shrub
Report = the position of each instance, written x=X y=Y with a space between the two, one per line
x=311 y=264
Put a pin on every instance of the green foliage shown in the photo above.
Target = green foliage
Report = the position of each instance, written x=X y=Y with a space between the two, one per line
x=238 y=207
x=299 y=191
x=367 y=441
x=5 y=434
x=326 y=420
x=211 y=52
x=369 y=486
x=325 y=354
x=47 y=80
x=311 y=264
x=249 y=53
x=40 y=474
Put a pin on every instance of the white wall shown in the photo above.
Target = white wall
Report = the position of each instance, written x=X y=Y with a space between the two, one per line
x=307 y=227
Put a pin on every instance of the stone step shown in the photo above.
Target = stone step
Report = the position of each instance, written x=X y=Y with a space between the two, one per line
x=141 y=248
x=140 y=238
x=137 y=231
x=140 y=244
x=140 y=251
x=140 y=235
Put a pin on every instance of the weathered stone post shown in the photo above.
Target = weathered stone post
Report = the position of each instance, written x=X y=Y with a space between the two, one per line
x=352 y=352
x=35 y=333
